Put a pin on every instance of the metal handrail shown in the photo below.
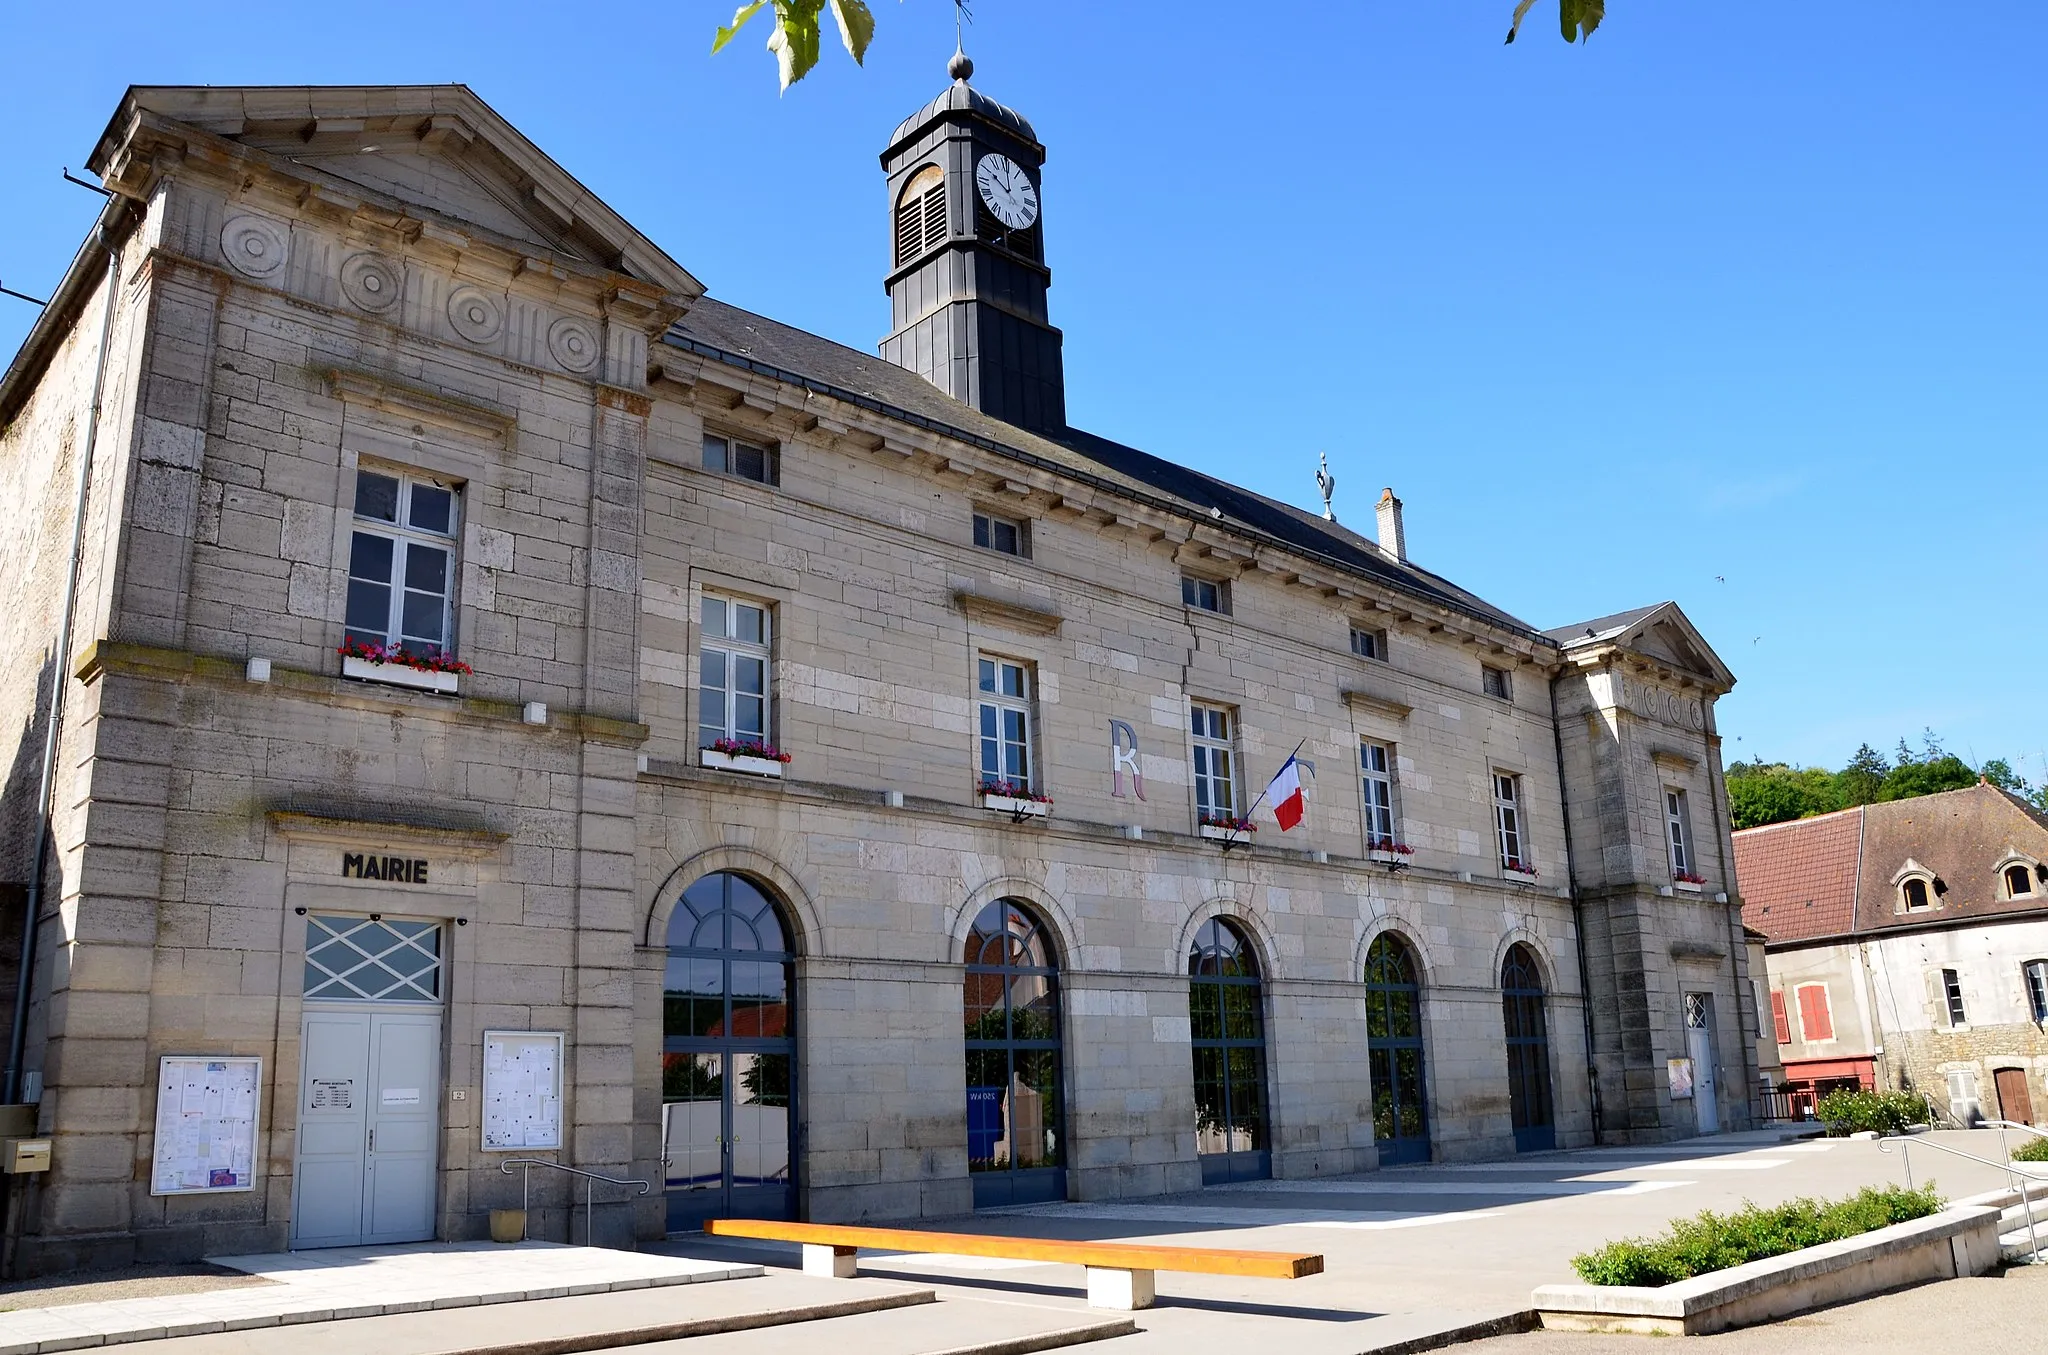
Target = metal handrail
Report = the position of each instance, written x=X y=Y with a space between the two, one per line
x=590 y=1180
x=2012 y=1175
x=2015 y=1124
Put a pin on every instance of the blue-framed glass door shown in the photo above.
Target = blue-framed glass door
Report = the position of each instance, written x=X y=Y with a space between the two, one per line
x=1528 y=1040
x=1393 y=1033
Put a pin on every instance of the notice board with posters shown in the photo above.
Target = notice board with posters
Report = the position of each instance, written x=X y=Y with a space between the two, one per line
x=522 y=1090
x=206 y=1120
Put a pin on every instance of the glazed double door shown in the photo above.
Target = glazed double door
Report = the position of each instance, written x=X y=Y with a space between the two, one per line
x=369 y=1126
x=725 y=1136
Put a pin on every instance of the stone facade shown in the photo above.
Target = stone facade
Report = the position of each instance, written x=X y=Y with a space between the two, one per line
x=452 y=305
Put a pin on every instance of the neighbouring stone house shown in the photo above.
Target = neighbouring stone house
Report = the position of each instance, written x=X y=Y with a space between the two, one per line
x=1908 y=948
x=321 y=940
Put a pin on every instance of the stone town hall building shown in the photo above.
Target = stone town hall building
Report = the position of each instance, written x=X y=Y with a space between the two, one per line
x=320 y=941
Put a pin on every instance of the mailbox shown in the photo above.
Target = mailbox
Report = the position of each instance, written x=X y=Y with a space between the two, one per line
x=24 y=1155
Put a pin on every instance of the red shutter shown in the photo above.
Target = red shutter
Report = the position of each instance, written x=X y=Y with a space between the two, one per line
x=1778 y=1015
x=1816 y=1022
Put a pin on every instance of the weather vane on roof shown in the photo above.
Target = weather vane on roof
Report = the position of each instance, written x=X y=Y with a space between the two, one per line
x=1328 y=484
x=961 y=66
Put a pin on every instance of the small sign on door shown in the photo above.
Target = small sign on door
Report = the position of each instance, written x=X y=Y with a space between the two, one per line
x=332 y=1095
x=401 y=1096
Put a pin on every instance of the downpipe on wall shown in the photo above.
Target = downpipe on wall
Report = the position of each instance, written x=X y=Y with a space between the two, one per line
x=1571 y=875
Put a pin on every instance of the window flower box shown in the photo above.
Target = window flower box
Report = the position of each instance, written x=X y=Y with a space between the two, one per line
x=1390 y=853
x=1019 y=802
x=1232 y=832
x=747 y=756
x=428 y=671
x=1521 y=872
x=1688 y=883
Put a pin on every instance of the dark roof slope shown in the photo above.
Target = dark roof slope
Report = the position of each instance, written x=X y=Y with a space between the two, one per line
x=1600 y=627
x=744 y=339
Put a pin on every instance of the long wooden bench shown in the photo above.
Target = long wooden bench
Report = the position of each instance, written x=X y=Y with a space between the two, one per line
x=1120 y=1275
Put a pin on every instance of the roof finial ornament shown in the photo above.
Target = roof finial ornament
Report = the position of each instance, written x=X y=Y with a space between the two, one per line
x=961 y=66
x=1328 y=484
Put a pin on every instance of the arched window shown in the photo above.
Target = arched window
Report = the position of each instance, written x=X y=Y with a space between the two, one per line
x=1227 y=1023
x=2019 y=880
x=728 y=1066
x=1393 y=1038
x=1016 y=1148
x=921 y=214
x=1521 y=996
x=1914 y=892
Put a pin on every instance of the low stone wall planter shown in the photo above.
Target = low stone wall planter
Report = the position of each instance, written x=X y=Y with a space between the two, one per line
x=1961 y=1240
x=739 y=762
x=399 y=675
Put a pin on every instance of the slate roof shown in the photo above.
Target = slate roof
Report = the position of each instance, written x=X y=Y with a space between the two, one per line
x=1832 y=875
x=963 y=97
x=1599 y=628
x=743 y=339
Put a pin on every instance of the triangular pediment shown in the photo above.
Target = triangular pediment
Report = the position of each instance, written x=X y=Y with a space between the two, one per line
x=436 y=150
x=1661 y=634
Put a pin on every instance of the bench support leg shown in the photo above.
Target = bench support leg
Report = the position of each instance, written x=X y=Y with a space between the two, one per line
x=838 y=1263
x=1124 y=1290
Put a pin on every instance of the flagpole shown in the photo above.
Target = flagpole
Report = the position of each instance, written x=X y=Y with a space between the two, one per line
x=1269 y=781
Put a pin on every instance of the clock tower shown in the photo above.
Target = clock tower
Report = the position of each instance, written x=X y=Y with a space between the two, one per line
x=967 y=276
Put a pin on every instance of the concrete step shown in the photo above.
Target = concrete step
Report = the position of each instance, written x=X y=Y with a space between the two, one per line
x=565 y=1326
x=952 y=1326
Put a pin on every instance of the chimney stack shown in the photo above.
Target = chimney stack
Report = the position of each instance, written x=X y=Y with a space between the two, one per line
x=1393 y=543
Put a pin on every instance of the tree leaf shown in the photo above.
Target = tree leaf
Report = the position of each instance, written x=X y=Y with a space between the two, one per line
x=856 y=27
x=1578 y=18
x=739 y=21
x=1521 y=11
x=795 y=39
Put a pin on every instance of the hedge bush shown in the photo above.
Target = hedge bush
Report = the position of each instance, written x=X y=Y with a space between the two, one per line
x=2031 y=1150
x=1709 y=1241
x=1847 y=1112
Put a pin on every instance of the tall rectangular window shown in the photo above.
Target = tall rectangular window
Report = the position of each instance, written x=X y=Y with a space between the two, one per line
x=1215 y=762
x=1507 y=820
x=1779 y=1020
x=2036 y=974
x=1952 y=991
x=1204 y=594
x=1816 y=1017
x=1003 y=692
x=1376 y=762
x=1678 y=832
x=733 y=671
x=746 y=460
x=401 y=562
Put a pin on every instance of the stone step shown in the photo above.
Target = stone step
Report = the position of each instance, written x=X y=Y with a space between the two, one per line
x=566 y=1326
x=952 y=1326
x=2015 y=1247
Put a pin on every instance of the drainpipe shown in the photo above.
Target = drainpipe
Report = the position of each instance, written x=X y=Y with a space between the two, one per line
x=1728 y=912
x=10 y=1089
x=1571 y=871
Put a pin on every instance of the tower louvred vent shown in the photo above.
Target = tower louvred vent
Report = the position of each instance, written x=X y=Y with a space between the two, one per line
x=921 y=214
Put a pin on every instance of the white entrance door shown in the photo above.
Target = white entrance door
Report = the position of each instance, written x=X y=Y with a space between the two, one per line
x=1699 y=1045
x=369 y=1127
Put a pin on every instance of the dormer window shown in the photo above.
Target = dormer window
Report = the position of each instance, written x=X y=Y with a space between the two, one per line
x=1919 y=888
x=1913 y=893
x=2019 y=880
x=921 y=214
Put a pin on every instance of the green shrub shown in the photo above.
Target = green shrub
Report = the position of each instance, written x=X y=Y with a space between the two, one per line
x=1710 y=1241
x=2031 y=1150
x=1851 y=1112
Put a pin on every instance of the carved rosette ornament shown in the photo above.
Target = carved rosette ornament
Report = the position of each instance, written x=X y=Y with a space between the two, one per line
x=475 y=314
x=254 y=245
x=372 y=282
x=574 y=344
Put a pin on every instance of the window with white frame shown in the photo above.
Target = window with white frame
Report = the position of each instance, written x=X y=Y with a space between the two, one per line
x=1507 y=820
x=735 y=457
x=1678 y=832
x=1369 y=643
x=1010 y=536
x=1215 y=761
x=733 y=671
x=2035 y=974
x=1914 y=894
x=1496 y=682
x=2018 y=879
x=1206 y=595
x=1003 y=692
x=401 y=562
x=1376 y=765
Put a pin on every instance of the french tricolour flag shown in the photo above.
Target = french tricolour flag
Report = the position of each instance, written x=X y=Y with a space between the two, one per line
x=1285 y=793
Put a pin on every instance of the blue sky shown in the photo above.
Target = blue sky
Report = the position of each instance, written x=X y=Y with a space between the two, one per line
x=1712 y=298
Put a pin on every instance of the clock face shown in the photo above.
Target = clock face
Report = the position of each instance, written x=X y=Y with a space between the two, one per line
x=1007 y=190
